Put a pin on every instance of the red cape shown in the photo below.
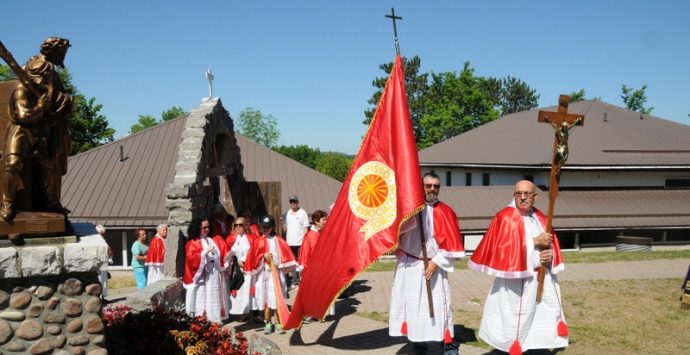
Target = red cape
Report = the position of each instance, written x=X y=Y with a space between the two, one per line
x=260 y=247
x=156 y=254
x=254 y=229
x=194 y=258
x=447 y=231
x=232 y=238
x=308 y=244
x=503 y=251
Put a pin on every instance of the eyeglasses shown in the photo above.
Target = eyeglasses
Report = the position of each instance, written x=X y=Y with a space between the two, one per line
x=527 y=194
x=432 y=186
x=237 y=225
x=205 y=227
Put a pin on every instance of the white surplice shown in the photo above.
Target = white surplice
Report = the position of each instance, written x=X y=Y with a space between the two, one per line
x=409 y=300
x=513 y=299
x=241 y=302
x=210 y=293
x=263 y=281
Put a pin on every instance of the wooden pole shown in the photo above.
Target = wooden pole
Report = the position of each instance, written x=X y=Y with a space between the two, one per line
x=562 y=122
x=554 y=180
x=425 y=260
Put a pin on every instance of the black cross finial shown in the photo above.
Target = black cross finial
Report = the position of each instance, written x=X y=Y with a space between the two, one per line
x=395 y=29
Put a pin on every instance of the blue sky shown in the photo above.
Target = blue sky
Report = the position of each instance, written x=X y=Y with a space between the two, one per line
x=310 y=64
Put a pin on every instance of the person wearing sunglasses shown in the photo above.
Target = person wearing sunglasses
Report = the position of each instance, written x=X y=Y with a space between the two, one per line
x=240 y=242
x=512 y=250
x=438 y=225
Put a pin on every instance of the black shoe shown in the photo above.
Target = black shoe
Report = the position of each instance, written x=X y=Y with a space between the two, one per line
x=419 y=348
x=451 y=349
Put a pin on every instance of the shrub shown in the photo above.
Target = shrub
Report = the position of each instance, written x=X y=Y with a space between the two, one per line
x=166 y=332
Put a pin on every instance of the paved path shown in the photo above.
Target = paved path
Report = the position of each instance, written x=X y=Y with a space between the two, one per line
x=349 y=333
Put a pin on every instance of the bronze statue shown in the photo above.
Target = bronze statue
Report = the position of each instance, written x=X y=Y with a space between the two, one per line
x=37 y=142
x=561 y=150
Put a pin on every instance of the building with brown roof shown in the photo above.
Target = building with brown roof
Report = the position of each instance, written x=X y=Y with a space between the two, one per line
x=627 y=173
x=175 y=171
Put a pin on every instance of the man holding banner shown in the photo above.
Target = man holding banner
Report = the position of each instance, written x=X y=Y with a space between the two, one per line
x=439 y=235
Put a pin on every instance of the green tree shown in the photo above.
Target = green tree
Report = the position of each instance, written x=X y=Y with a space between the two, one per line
x=6 y=73
x=335 y=165
x=635 y=99
x=455 y=103
x=172 y=113
x=301 y=153
x=416 y=86
x=88 y=127
x=258 y=127
x=516 y=96
x=446 y=104
x=144 y=122
x=576 y=96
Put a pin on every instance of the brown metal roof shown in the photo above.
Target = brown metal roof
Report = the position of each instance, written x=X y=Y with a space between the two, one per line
x=611 y=136
x=577 y=210
x=98 y=188
x=314 y=189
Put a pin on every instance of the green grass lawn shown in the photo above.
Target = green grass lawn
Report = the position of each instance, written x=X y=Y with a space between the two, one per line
x=605 y=317
x=573 y=258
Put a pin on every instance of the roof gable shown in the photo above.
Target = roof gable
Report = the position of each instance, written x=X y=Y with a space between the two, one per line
x=99 y=188
x=611 y=136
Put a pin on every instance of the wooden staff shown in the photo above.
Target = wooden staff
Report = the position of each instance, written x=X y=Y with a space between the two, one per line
x=562 y=122
x=267 y=310
x=425 y=260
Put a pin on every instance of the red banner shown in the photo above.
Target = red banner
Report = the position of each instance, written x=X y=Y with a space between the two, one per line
x=282 y=310
x=382 y=190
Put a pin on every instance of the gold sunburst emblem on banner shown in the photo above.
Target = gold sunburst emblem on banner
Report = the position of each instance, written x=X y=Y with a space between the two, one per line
x=372 y=197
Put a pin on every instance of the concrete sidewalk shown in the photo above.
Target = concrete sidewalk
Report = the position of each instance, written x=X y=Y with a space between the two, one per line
x=349 y=333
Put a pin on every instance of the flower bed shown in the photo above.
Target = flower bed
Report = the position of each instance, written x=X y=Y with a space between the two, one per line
x=167 y=332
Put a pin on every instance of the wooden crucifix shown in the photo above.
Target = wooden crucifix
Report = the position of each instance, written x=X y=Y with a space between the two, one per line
x=562 y=122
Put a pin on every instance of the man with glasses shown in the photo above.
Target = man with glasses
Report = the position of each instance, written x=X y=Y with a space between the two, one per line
x=295 y=225
x=512 y=250
x=409 y=310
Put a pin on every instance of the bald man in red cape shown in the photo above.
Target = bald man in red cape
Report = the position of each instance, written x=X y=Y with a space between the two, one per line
x=512 y=249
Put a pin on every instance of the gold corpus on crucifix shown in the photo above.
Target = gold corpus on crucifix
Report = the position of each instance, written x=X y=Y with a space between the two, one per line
x=562 y=122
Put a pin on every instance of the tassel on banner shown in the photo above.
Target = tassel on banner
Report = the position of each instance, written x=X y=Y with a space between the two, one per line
x=515 y=349
x=403 y=329
x=233 y=293
x=562 y=329
x=447 y=339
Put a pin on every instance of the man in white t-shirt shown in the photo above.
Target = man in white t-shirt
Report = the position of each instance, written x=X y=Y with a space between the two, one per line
x=295 y=226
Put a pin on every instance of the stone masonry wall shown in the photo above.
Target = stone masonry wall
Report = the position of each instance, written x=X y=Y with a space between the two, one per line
x=40 y=315
x=190 y=195
x=50 y=298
